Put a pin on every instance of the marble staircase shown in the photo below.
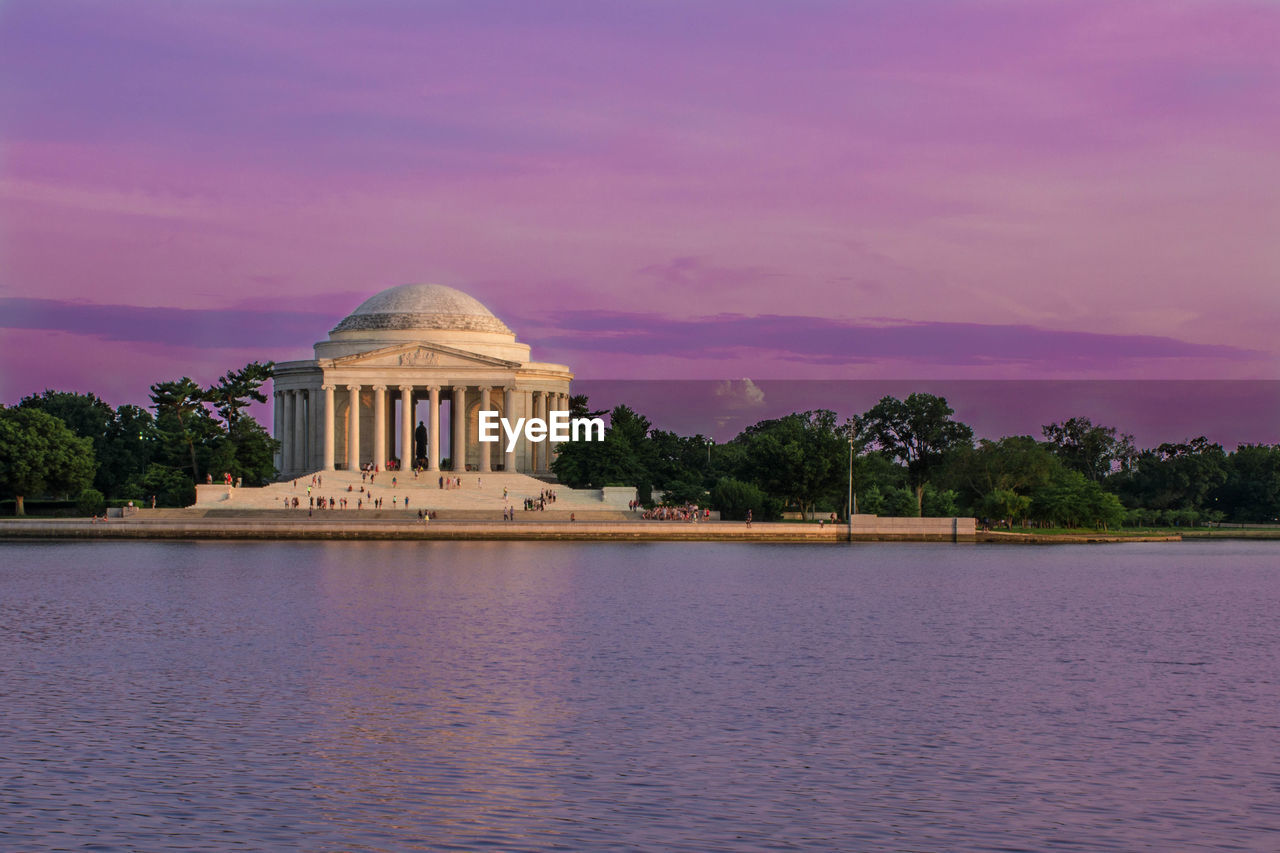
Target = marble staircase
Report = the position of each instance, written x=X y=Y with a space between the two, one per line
x=476 y=492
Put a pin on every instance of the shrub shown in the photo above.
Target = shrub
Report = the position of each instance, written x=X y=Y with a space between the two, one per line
x=900 y=503
x=733 y=498
x=91 y=502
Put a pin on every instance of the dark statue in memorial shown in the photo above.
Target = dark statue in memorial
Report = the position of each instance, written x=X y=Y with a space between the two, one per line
x=420 y=442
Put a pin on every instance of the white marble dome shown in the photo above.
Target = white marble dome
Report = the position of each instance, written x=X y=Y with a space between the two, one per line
x=422 y=306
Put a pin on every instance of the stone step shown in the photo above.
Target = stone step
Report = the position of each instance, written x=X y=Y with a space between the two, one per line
x=476 y=492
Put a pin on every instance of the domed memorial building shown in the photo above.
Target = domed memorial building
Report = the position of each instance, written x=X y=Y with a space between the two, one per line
x=375 y=391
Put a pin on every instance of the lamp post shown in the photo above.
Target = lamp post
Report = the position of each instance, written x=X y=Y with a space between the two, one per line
x=709 y=442
x=853 y=505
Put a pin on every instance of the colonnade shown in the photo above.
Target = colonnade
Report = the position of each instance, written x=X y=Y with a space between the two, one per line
x=301 y=413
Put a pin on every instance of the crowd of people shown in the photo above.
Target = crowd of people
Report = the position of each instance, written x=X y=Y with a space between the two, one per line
x=683 y=512
x=362 y=497
x=546 y=496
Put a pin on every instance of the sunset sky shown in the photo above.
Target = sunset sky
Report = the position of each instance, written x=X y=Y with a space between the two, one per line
x=646 y=190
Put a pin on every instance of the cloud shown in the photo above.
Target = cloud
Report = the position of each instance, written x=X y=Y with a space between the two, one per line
x=187 y=327
x=824 y=341
x=740 y=394
x=693 y=272
x=799 y=339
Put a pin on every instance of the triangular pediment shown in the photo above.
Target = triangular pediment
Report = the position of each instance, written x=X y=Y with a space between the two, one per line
x=421 y=355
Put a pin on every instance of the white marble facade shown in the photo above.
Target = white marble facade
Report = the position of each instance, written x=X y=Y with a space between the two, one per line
x=406 y=358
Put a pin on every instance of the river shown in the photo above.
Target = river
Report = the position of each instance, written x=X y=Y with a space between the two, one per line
x=681 y=696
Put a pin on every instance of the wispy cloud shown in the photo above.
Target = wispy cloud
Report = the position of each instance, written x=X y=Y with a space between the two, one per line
x=819 y=340
x=187 y=327
x=800 y=339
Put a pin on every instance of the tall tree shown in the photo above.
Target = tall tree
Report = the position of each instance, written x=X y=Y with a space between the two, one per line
x=127 y=451
x=580 y=407
x=119 y=457
x=620 y=458
x=40 y=455
x=1177 y=476
x=1089 y=448
x=180 y=411
x=800 y=458
x=86 y=415
x=918 y=431
x=1251 y=492
x=251 y=449
x=236 y=390
x=1016 y=464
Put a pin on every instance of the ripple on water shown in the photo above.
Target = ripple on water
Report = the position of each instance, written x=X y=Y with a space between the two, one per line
x=385 y=696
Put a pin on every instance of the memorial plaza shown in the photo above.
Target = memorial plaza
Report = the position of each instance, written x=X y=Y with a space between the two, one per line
x=396 y=390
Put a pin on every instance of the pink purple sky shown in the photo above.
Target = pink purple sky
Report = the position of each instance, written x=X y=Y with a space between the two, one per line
x=646 y=190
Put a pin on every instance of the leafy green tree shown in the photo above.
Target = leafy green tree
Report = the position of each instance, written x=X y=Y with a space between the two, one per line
x=671 y=458
x=939 y=503
x=900 y=502
x=619 y=459
x=1017 y=464
x=40 y=455
x=182 y=419
x=870 y=500
x=1103 y=509
x=1177 y=476
x=1073 y=500
x=123 y=439
x=733 y=498
x=801 y=458
x=126 y=450
x=918 y=431
x=580 y=407
x=1251 y=492
x=684 y=492
x=86 y=415
x=91 y=502
x=170 y=486
x=873 y=475
x=252 y=452
x=1004 y=505
x=236 y=390
x=1093 y=450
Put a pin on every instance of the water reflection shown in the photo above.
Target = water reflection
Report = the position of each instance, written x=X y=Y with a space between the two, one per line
x=348 y=696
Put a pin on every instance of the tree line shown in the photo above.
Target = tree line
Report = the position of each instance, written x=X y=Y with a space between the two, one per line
x=76 y=446
x=911 y=457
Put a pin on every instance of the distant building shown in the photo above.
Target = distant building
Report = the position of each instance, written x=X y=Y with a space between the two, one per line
x=414 y=344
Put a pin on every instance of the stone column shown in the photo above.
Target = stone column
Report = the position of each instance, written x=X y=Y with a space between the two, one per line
x=327 y=462
x=406 y=427
x=391 y=422
x=508 y=407
x=459 y=428
x=527 y=400
x=286 y=431
x=557 y=405
x=299 y=431
x=353 y=428
x=379 y=426
x=544 y=457
x=485 y=403
x=277 y=427
x=433 y=427
x=564 y=406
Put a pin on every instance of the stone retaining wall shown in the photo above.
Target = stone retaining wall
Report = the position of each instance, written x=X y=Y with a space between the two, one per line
x=327 y=528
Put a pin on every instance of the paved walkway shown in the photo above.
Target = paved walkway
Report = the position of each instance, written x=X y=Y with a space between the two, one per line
x=302 y=527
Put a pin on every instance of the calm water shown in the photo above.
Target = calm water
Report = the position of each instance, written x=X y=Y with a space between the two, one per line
x=385 y=696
